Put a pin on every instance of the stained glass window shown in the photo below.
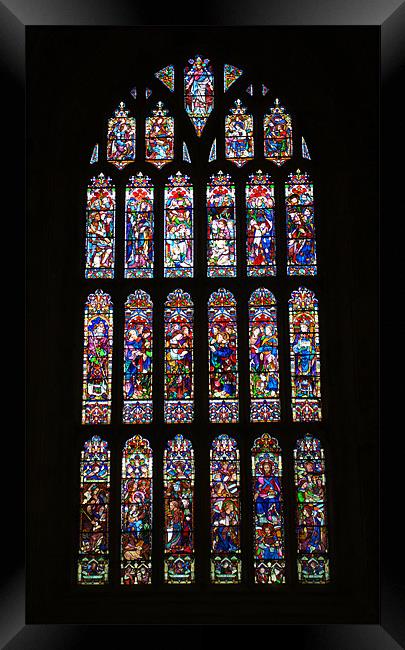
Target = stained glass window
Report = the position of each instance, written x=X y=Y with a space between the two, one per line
x=269 y=562
x=198 y=92
x=263 y=357
x=312 y=535
x=239 y=143
x=261 y=236
x=134 y=92
x=94 y=506
x=94 y=155
x=223 y=357
x=231 y=74
x=136 y=512
x=213 y=151
x=178 y=229
x=166 y=76
x=121 y=138
x=301 y=245
x=159 y=137
x=179 y=504
x=97 y=358
x=305 y=356
x=221 y=220
x=249 y=90
x=278 y=144
x=225 y=511
x=100 y=231
x=179 y=381
x=148 y=93
x=265 y=90
x=186 y=155
x=305 y=151
x=139 y=226
x=138 y=345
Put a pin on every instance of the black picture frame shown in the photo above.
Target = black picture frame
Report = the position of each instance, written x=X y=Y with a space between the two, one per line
x=378 y=636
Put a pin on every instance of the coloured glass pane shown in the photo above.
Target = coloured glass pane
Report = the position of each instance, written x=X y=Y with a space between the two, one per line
x=136 y=512
x=221 y=258
x=139 y=227
x=261 y=235
x=198 y=92
x=159 y=137
x=301 y=243
x=100 y=228
x=231 y=74
x=94 y=507
x=305 y=151
x=186 y=155
x=179 y=377
x=138 y=344
x=213 y=151
x=97 y=359
x=305 y=361
x=278 y=144
x=178 y=476
x=121 y=138
x=223 y=357
x=94 y=155
x=263 y=357
x=269 y=552
x=311 y=515
x=225 y=511
x=239 y=143
x=178 y=227
x=166 y=76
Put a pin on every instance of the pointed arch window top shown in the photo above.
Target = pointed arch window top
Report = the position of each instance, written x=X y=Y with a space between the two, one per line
x=198 y=92
x=222 y=298
x=121 y=138
x=178 y=299
x=239 y=142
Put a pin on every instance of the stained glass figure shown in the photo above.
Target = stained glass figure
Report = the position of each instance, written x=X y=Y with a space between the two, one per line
x=231 y=74
x=159 y=137
x=261 y=235
x=178 y=476
x=249 y=90
x=311 y=516
x=133 y=92
x=265 y=90
x=263 y=357
x=305 y=151
x=221 y=227
x=186 y=155
x=94 y=155
x=148 y=93
x=100 y=228
x=305 y=356
x=166 y=76
x=213 y=151
x=138 y=348
x=139 y=226
x=198 y=92
x=223 y=357
x=269 y=552
x=179 y=382
x=278 y=143
x=225 y=511
x=94 y=512
x=239 y=143
x=301 y=243
x=97 y=358
x=121 y=138
x=178 y=227
x=136 y=512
